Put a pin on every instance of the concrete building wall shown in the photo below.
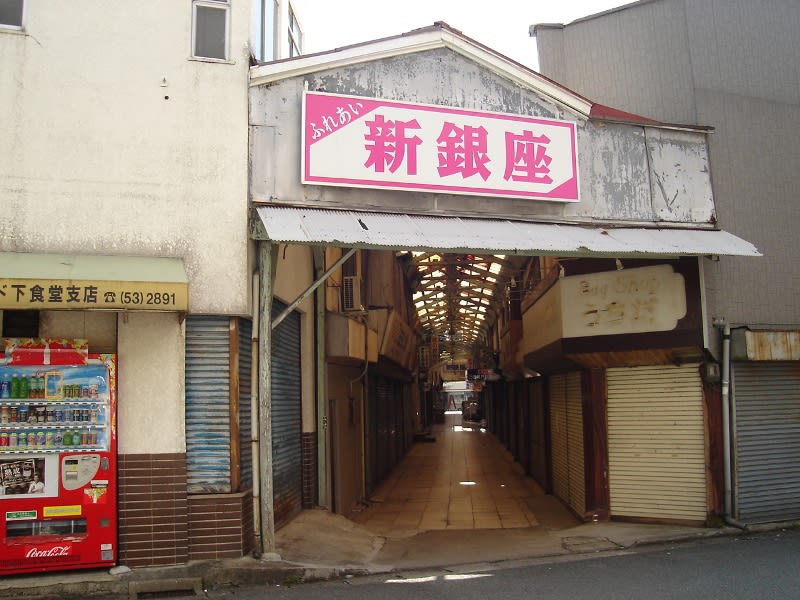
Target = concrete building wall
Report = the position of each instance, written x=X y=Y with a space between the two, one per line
x=115 y=141
x=731 y=65
x=654 y=81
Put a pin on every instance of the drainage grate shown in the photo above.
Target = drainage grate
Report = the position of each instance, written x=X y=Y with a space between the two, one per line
x=165 y=588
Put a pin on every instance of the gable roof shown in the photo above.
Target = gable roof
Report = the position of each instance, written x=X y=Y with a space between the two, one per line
x=441 y=35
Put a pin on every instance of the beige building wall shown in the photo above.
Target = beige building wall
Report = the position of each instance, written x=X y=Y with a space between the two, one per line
x=116 y=141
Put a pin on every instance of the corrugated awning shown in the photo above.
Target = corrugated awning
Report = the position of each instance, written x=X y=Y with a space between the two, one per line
x=92 y=282
x=493 y=236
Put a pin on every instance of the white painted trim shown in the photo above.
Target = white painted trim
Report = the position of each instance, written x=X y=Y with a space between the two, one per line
x=419 y=42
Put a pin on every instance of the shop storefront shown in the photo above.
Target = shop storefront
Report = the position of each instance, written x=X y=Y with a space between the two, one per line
x=111 y=310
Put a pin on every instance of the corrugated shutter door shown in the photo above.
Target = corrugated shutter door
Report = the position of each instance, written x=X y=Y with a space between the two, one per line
x=245 y=408
x=383 y=424
x=656 y=443
x=767 y=448
x=208 y=463
x=286 y=417
x=566 y=434
x=558 y=435
x=577 y=477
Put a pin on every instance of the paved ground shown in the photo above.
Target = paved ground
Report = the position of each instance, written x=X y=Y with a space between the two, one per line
x=455 y=501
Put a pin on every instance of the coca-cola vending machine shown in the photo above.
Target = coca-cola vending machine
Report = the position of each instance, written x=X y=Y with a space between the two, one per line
x=58 y=489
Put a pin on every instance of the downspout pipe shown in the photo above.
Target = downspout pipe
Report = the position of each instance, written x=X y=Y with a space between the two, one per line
x=725 y=329
x=256 y=306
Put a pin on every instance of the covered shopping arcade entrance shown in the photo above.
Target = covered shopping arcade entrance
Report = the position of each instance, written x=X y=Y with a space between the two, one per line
x=419 y=473
x=441 y=212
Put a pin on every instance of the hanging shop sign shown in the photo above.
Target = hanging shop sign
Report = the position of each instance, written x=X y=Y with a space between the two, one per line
x=356 y=141
x=628 y=301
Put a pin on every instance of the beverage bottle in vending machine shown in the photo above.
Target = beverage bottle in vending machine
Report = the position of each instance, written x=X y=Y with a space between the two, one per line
x=14 y=390
x=5 y=386
x=24 y=388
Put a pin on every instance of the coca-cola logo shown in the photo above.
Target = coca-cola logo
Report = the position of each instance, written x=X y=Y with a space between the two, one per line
x=47 y=552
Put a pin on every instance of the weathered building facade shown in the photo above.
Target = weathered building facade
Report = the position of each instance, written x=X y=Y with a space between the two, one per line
x=291 y=374
x=125 y=163
x=613 y=314
x=728 y=65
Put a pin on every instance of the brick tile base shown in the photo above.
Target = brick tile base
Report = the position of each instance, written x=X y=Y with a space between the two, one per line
x=220 y=525
x=153 y=527
x=310 y=476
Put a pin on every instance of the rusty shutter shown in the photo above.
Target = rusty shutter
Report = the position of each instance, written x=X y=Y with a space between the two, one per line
x=286 y=417
x=766 y=399
x=566 y=435
x=656 y=443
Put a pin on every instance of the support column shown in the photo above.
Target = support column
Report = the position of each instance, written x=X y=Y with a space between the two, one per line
x=266 y=266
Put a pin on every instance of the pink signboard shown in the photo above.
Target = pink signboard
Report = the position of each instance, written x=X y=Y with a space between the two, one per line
x=355 y=141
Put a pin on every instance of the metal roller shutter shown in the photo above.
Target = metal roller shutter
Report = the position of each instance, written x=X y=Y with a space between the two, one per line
x=286 y=417
x=245 y=409
x=767 y=425
x=383 y=441
x=656 y=442
x=577 y=477
x=559 y=436
x=566 y=434
x=208 y=460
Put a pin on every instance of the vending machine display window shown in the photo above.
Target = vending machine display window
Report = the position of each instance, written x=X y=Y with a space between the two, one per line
x=58 y=501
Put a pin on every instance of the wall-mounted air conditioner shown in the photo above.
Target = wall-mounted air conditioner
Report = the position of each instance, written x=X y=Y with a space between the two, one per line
x=351 y=293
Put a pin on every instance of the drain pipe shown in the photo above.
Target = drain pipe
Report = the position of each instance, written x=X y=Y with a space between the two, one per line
x=259 y=543
x=725 y=330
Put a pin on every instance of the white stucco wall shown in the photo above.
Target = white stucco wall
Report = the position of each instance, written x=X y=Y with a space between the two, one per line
x=150 y=412
x=115 y=141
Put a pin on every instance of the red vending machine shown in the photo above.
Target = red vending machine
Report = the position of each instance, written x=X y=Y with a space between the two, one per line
x=58 y=489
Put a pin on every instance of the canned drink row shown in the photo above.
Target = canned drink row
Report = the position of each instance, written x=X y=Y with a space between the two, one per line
x=50 y=439
x=50 y=414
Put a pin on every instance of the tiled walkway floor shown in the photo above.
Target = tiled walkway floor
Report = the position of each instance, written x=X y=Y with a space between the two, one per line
x=463 y=480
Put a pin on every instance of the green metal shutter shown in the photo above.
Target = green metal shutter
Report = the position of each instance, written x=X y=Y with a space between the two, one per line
x=208 y=458
x=287 y=477
x=767 y=441
x=656 y=443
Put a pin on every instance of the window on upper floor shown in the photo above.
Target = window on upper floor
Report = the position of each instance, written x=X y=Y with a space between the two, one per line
x=295 y=35
x=210 y=26
x=262 y=36
x=11 y=13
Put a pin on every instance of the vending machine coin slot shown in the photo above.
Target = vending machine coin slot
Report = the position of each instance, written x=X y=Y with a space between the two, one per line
x=77 y=471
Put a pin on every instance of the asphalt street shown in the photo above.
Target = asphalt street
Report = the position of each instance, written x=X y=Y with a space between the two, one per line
x=758 y=566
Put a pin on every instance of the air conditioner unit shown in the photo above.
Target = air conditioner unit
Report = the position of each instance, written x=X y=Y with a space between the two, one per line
x=351 y=293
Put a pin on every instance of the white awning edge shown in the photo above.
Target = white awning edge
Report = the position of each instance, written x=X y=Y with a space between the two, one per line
x=354 y=229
